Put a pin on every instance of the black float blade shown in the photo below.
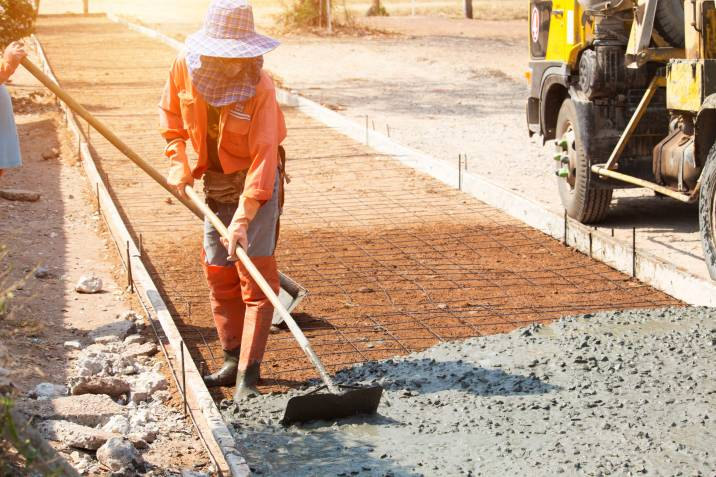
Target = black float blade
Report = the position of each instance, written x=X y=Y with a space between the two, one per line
x=327 y=406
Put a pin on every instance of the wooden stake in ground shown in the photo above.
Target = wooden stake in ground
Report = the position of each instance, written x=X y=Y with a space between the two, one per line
x=468 y=9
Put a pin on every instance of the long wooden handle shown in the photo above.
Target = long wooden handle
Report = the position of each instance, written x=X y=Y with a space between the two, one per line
x=195 y=204
x=266 y=288
x=107 y=133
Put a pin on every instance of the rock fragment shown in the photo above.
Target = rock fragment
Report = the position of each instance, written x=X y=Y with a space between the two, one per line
x=48 y=391
x=42 y=272
x=74 y=344
x=88 y=409
x=19 y=195
x=89 y=284
x=133 y=339
x=74 y=435
x=116 y=331
x=117 y=424
x=136 y=350
x=147 y=384
x=119 y=455
x=111 y=385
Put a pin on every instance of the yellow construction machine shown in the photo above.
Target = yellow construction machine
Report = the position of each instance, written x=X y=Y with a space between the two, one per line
x=626 y=90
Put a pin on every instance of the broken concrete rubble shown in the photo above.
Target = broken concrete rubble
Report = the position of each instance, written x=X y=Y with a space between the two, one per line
x=147 y=384
x=119 y=455
x=48 y=391
x=89 y=284
x=116 y=331
x=113 y=386
x=88 y=409
x=118 y=424
x=74 y=435
x=135 y=350
x=73 y=344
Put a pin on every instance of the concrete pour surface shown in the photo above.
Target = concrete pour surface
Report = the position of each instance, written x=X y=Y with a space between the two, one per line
x=621 y=393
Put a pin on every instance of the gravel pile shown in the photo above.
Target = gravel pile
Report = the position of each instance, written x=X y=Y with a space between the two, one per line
x=626 y=392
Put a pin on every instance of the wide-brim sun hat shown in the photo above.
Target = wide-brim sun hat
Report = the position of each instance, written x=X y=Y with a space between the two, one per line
x=229 y=33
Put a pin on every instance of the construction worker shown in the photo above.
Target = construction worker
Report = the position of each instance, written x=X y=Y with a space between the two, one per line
x=218 y=96
x=9 y=144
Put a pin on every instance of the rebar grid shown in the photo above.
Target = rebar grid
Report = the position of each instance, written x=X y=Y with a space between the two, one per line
x=395 y=261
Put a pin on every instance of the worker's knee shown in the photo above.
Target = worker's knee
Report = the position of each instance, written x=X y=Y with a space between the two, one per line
x=250 y=290
x=223 y=282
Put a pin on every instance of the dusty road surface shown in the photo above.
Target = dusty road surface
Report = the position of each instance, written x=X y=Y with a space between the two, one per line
x=623 y=393
x=395 y=262
x=46 y=334
x=444 y=86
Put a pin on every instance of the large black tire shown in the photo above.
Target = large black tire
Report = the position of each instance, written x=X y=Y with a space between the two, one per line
x=669 y=21
x=582 y=200
x=707 y=212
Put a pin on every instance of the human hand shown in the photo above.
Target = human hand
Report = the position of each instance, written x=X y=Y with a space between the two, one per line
x=238 y=235
x=179 y=174
x=14 y=53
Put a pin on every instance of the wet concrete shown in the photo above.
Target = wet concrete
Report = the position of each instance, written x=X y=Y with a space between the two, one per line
x=624 y=393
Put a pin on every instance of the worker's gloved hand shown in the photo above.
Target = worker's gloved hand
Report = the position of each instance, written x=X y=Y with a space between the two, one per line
x=179 y=171
x=238 y=236
x=13 y=54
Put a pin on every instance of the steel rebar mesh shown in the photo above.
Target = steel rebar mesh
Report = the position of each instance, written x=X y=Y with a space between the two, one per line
x=394 y=260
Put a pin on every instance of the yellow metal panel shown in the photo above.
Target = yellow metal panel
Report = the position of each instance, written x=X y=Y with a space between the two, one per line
x=684 y=85
x=566 y=32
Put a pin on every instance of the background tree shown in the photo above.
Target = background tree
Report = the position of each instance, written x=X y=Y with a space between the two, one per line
x=17 y=20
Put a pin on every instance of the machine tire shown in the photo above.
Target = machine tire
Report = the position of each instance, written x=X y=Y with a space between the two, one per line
x=707 y=212
x=582 y=200
x=669 y=21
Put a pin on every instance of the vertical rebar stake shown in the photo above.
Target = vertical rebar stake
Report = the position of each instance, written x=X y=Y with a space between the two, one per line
x=387 y=128
x=465 y=161
x=373 y=124
x=612 y=232
x=565 y=227
x=183 y=375
x=459 y=171
x=130 y=282
x=633 y=252
x=590 y=244
x=366 y=130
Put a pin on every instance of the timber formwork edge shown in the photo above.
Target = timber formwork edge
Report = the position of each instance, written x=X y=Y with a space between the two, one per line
x=618 y=254
x=213 y=431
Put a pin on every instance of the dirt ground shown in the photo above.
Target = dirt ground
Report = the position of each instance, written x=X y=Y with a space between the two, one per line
x=394 y=261
x=64 y=236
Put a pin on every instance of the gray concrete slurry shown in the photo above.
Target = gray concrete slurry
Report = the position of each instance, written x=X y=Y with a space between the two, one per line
x=622 y=393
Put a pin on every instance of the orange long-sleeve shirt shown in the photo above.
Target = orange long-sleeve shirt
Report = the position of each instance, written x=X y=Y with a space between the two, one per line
x=249 y=142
